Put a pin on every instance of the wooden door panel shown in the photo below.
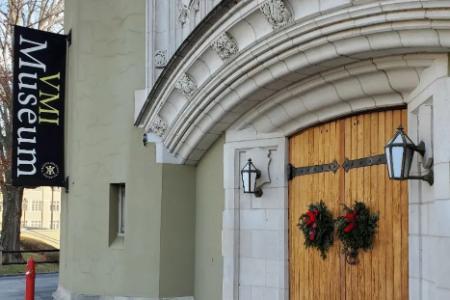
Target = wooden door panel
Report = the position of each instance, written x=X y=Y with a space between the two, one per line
x=319 y=145
x=381 y=273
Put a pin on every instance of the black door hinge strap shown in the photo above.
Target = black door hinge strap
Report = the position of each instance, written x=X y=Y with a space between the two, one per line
x=364 y=162
x=301 y=171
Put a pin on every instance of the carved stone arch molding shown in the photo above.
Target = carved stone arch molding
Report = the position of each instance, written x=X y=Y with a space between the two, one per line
x=321 y=62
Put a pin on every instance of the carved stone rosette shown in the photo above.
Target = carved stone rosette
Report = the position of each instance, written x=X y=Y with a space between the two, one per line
x=277 y=13
x=186 y=85
x=159 y=126
x=160 y=58
x=225 y=46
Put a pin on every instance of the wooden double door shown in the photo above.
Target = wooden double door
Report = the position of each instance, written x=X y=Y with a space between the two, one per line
x=381 y=273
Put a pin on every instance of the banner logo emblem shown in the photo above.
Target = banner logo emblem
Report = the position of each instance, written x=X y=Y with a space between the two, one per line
x=50 y=170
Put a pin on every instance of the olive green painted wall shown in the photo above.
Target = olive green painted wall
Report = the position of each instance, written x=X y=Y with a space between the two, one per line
x=177 y=231
x=210 y=201
x=172 y=244
x=105 y=67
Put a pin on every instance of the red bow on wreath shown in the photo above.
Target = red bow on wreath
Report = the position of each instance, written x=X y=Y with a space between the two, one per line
x=310 y=221
x=311 y=217
x=351 y=219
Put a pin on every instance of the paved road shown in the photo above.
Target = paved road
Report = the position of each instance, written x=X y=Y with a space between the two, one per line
x=12 y=288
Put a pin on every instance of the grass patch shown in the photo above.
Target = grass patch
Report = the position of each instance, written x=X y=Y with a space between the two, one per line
x=32 y=244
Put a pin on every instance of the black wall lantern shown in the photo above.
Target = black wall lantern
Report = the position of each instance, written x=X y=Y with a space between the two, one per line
x=249 y=175
x=399 y=153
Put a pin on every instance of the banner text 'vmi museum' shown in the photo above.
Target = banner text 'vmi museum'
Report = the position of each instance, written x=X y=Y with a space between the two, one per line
x=38 y=108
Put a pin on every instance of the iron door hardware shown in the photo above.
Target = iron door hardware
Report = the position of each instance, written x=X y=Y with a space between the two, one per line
x=301 y=171
x=334 y=166
x=364 y=162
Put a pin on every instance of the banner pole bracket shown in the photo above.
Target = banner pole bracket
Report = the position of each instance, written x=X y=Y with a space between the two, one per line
x=69 y=38
x=67 y=184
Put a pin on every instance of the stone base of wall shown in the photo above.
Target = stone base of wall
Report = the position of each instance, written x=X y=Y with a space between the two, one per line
x=63 y=294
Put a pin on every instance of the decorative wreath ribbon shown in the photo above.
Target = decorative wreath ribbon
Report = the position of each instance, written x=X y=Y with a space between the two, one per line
x=350 y=217
x=317 y=225
x=312 y=222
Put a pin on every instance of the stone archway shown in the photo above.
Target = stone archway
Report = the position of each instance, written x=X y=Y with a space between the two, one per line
x=324 y=63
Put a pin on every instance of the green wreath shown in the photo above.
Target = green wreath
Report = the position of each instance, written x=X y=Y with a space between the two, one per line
x=317 y=226
x=356 y=229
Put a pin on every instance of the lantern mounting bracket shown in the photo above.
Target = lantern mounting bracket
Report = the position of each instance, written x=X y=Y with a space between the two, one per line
x=421 y=148
x=258 y=190
x=428 y=165
x=429 y=177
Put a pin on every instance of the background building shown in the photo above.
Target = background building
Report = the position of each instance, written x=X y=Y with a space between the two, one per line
x=211 y=84
x=41 y=214
x=40 y=209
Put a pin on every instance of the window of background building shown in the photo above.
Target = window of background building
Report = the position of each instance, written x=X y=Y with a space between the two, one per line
x=37 y=205
x=54 y=207
x=55 y=224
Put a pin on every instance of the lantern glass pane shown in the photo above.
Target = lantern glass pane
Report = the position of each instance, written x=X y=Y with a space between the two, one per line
x=245 y=181
x=252 y=182
x=388 y=160
x=408 y=161
x=398 y=139
x=397 y=161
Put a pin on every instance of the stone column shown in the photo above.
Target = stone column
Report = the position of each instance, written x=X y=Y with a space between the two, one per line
x=255 y=230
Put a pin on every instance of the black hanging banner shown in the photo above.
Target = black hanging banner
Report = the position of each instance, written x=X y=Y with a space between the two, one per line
x=38 y=108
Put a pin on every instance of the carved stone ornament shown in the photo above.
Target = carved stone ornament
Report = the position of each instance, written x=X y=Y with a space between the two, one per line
x=186 y=85
x=277 y=13
x=159 y=126
x=183 y=13
x=195 y=5
x=160 y=58
x=225 y=46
